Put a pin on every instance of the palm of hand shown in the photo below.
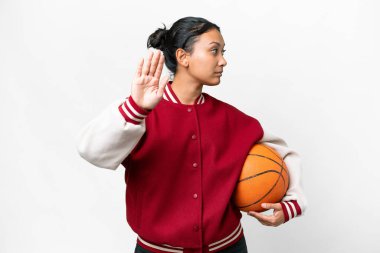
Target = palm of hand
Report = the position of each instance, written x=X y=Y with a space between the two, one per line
x=147 y=89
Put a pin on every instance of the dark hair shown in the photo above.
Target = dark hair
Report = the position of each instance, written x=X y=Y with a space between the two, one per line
x=183 y=34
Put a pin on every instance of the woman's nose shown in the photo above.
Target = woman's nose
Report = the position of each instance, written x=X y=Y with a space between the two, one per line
x=223 y=61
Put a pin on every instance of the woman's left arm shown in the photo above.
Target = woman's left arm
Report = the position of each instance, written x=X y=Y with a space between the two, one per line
x=294 y=202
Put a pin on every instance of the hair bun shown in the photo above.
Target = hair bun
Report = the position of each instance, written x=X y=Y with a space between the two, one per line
x=158 y=38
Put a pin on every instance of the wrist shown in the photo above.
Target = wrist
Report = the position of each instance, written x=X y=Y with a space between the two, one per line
x=132 y=112
x=140 y=109
x=137 y=106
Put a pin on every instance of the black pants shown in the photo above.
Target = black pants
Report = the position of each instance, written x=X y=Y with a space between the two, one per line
x=239 y=247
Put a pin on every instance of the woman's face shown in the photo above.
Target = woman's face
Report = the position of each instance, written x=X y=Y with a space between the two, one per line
x=207 y=61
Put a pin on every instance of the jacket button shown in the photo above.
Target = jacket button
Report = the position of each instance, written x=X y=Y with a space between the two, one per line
x=189 y=109
x=193 y=137
x=196 y=227
x=195 y=165
x=195 y=196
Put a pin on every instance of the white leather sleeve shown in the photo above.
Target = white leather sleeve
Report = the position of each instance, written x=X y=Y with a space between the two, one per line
x=293 y=163
x=108 y=139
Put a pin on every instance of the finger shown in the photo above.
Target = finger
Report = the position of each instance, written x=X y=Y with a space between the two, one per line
x=261 y=217
x=158 y=72
x=255 y=215
x=275 y=206
x=266 y=223
x=139 y=67
x=147 y=63
x=155 y=60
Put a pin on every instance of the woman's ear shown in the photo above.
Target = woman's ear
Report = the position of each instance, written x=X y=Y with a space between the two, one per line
x=182 y=57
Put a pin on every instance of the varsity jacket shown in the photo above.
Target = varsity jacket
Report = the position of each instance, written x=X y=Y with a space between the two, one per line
x=182 y=163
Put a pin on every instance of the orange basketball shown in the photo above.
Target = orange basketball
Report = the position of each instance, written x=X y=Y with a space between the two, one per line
x=264 y=179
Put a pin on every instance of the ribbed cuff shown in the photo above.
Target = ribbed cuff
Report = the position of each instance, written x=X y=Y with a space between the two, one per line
x=132 y=112
x=291 y=209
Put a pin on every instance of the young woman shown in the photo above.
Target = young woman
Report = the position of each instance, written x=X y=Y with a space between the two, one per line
x=183 y=149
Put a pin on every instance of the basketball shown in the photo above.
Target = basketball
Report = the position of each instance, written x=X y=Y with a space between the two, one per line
x=264 y=179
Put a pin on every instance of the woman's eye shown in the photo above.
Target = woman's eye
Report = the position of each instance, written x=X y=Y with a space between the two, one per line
x=215 y=50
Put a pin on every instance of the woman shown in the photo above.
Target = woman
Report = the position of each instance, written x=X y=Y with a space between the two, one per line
x=182 y=149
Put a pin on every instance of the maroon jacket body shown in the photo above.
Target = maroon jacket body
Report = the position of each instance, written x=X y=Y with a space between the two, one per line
x=181 y=175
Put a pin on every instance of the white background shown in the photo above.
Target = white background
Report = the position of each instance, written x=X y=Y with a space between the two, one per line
x=307 y=70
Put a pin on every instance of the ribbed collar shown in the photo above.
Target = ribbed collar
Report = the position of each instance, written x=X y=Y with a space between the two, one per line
x=169 y=95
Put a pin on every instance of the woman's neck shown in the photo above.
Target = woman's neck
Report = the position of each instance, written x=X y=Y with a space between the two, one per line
x=186 y=90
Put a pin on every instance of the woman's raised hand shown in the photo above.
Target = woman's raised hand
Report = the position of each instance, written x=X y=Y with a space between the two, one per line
x=147 y=88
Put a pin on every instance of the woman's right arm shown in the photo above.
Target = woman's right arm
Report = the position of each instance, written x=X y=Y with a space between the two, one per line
x=109 y=138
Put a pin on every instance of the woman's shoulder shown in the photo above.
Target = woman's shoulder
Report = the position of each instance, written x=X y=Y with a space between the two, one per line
x=230 y=109
x=225 y=105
